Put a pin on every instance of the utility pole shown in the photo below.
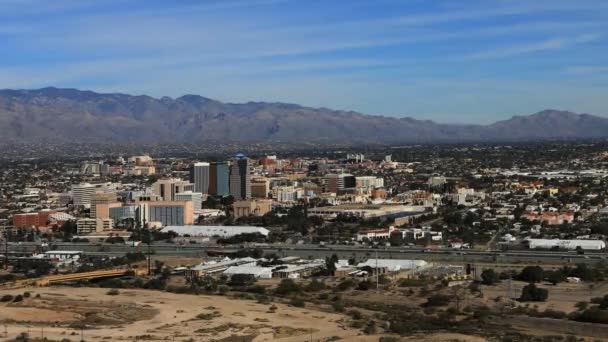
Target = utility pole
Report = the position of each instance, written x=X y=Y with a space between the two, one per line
x=377 y=273
x=5 y=248
x=149 y=254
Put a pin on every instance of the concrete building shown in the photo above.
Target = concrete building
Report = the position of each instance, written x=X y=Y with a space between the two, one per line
x=251 y=207
x=368 y=211
x=122 y=213
x=240 y=177
x=140 y=160
x=91 y=225
x=288 y=194
x=369 y=182
x=219 y=179
x=199 y=176
x=94 y=168
x=339 y=183
x=355 y=157
x=83 y=193
x=167 y=188
x=195 y=197
x=167 y=212
x=436 y=181
x=551 y=218
x=101 y=202
x=260 y=187
x=39 y=219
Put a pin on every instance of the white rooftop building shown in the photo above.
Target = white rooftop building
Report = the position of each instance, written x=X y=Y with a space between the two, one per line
x=565 y=244
x=394 y=265
x=255 y=271
x=221 y=231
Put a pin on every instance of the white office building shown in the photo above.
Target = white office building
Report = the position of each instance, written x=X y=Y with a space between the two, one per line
x=195 y=197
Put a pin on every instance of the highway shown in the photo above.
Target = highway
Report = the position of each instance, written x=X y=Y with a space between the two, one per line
x=342 y=251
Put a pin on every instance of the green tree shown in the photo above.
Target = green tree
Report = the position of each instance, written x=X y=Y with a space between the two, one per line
x=287 y=286
x=330 y=264
x=489 y=277
x=531 y=274
x=532 y=293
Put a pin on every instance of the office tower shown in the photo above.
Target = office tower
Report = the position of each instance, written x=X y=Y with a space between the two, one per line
x=199 y=176
x=219 y=178
x=167 y=188
x=83 y=193
x=195 y=197
x=240 y=179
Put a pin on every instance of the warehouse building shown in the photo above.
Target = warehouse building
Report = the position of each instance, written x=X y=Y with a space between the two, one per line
x=219 y=231
x=565 y=244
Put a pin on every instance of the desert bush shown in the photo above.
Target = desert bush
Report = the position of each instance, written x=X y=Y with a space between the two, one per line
x=297 y=302
x=113 y=292
x=7 y=298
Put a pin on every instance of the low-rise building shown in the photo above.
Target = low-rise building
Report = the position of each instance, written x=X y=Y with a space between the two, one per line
x=219 y=231
x=251 y=207
x=90 y=225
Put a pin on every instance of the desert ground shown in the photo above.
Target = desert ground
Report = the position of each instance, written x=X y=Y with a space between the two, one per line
x=131 y=315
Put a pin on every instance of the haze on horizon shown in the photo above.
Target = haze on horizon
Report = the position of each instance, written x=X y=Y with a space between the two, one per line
x=471 y=61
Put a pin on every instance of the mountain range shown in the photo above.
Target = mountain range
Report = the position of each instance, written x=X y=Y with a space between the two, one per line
x=64 y=115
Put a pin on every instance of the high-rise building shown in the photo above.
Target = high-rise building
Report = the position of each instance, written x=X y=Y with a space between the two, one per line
x=240 y=178
x=219 y=179
x=83 y=193
x=167 y=188
x=195 y=197
x=199 y=176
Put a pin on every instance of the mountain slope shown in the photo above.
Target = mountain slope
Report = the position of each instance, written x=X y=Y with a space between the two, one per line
x=74 y=115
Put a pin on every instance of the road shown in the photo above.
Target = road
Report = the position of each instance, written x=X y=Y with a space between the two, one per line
x=342 y=251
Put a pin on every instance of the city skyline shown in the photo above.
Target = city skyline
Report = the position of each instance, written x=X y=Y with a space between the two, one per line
x=466 y=62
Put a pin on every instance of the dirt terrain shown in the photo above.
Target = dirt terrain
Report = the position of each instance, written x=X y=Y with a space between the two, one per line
x=59 y=313
x=562 y=297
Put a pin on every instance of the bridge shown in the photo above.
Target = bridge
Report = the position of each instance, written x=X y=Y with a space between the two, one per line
x=61 y=278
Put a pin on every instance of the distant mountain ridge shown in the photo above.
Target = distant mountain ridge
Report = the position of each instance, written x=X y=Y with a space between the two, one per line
x=74 y=115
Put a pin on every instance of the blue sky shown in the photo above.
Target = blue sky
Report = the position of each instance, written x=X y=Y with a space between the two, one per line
x=448 y=61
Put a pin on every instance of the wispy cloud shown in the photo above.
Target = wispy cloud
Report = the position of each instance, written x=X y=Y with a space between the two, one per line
x=545 y=45
x=587 y=69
